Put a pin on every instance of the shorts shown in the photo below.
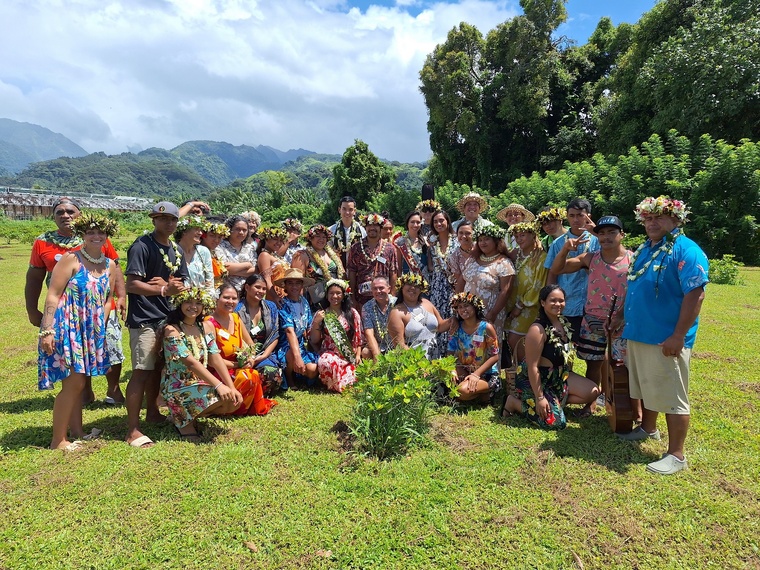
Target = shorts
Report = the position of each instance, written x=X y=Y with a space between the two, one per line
x=575 y=327
x=662 y=382
x=592 y=343
x=143 y=343
x=113 y=339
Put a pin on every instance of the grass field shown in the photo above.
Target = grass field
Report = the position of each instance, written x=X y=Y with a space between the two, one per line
x=280 y=491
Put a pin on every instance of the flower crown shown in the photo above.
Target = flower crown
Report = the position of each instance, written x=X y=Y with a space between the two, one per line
x=488 y=229
x=218 y=228
x=190 y=222
x=340 y=283
x=319 y=228
x=292 y=224
x=195 y=294
x=91 y=220
x=661 y=206
x=272 y=232
x=412 y=279
x=523 y=227
x=551 y=214
x=428 y=206
x=372 y=220
x=469 y=299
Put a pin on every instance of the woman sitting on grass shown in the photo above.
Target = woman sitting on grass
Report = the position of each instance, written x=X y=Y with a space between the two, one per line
x=337 y=330
x=262 y=320
x=190 y=390
x=73 y=328
x=476 y=348
x=238 y=353
x=545 y=382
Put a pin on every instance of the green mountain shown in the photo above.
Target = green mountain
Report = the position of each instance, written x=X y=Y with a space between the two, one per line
x=24 y=143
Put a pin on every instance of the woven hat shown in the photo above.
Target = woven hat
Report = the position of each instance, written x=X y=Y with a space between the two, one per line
x=472 y=197
x=502 y=215
x=294 y=274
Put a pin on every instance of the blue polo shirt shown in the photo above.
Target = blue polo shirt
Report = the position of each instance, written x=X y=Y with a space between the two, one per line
x=574 y=284
x=653 y=301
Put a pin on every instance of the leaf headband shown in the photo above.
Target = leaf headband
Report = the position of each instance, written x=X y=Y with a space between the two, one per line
x=551 y=214
x=523 y=227
x=340 y=283
x=319 y=228
x=469 y=299
x=412 y=279
x=219 y=228
x=272 y=232
x=490 y=230
x=91 y=220
x=195 y=294
x=292 y=224
x=190 y=222
x=428 y=206
x=661 y=206
x=372 y=220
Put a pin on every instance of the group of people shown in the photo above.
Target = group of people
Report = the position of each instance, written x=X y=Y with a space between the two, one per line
x=224 y=313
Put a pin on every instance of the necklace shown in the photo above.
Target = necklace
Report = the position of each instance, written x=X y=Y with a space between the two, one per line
x=489 y=258
x=378 y=250
x=382 y=331
x=64 y=242
x=566 y=348
x=200 y=354
x=95 y=260
x=339 y=336
x=324 y=267
x=352 y=233
x=666 y=249
x=173 y=267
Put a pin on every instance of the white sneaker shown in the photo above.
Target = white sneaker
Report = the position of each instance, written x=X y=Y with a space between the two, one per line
x=668 y=465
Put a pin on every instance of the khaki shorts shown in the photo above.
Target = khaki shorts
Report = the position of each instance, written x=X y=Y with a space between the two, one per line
x=144 y=347
x=662 y=382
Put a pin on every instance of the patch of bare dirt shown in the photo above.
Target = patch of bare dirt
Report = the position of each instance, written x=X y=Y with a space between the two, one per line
x=444 y=430
x=751 y=387
x=713 y=356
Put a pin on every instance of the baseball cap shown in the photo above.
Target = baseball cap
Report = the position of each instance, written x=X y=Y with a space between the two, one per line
x=608 y=221
x=164 y=208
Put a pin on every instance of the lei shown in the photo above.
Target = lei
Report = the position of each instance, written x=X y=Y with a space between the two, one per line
x=440 y=256
x=382 y=332
x=339 y=336
x=242 y=355
x=567 y=349
x=380 y=247
x=200 y=354
x=62 y=241
x=177 y=255
x=666 y=248
x=352 y=233
x=323 y=267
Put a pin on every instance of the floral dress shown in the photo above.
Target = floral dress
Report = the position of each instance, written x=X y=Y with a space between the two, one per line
x=227 y=253
x=472 y=350
x=335 y=370
x=413 y=260
x=247 y=381
x=484 y=281
x=200 y=269
x=186 y=395
x=531 y=277
x=316 y=292
x=441 y=291
x=80 y=330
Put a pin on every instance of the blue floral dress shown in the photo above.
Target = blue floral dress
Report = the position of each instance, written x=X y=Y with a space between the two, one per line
x=186 y=395
x=80 y=330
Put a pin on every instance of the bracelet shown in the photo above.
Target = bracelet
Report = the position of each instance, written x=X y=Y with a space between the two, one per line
x=46 y=332
x=541 y=397
x=163 y=290
x=217 y=386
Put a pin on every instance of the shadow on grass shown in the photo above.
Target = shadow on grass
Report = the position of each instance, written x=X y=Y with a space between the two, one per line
x=37 y=404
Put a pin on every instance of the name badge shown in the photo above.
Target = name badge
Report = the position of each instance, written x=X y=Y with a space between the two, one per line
x=419 y=317
x=58 y=256
x=381 y=259
x=255 y=329
x=224 y=334
x=478 y=337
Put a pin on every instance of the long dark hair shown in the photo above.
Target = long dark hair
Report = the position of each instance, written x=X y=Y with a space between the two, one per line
x=543 y=295
x=448 y=222
x=345 y=309
x=250 y=280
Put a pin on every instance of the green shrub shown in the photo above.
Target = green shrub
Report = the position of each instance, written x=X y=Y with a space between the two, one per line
x=725 y=271
x=394 y=399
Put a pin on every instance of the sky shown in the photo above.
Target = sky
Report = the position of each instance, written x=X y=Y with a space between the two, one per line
x=126 y=75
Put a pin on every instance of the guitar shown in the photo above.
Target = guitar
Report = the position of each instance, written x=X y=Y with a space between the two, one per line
x=620 y=413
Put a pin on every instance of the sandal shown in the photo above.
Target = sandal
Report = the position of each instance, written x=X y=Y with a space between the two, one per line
x=193 y=437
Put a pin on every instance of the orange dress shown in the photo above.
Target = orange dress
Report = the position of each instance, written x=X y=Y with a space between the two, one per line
x=247 y=380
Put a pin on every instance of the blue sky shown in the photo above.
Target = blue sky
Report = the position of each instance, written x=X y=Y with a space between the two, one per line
x=118 y=75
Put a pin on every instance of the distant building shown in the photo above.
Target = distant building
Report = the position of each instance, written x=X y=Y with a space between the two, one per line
x=30 y=203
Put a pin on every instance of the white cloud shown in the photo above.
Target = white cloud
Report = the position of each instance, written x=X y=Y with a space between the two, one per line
x=114 y=74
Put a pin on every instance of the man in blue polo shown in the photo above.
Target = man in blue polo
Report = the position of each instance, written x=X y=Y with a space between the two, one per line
x=666 y=286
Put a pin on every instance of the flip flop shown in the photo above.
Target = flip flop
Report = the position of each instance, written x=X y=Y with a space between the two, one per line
x=73 y=446
x=142 y=442
x=194 y=437
x=94 y=434
x=109 y=401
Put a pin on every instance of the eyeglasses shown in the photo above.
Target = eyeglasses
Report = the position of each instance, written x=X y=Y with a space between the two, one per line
x=62 y=212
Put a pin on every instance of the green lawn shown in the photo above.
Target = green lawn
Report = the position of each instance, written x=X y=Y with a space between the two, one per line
x=280 y=491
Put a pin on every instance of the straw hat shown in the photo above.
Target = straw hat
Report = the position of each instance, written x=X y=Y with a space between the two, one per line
x=294 y=274
x=502 y=215
x=472 y=197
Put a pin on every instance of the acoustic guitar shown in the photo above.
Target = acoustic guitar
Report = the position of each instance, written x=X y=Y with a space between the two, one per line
x=620 y=413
